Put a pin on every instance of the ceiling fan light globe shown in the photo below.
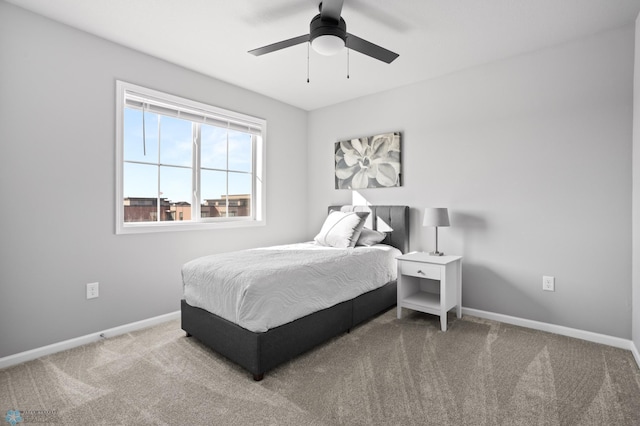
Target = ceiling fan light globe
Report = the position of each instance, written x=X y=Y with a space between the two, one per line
x=328 y=44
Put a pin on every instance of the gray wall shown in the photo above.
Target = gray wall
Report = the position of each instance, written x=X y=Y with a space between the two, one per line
x=533 y=157
x=636 y=193
x=57 y=167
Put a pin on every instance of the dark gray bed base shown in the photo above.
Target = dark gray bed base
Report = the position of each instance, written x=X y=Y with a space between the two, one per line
x=260 y=352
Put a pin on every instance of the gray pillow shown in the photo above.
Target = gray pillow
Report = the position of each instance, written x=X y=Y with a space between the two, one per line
x=369 y=237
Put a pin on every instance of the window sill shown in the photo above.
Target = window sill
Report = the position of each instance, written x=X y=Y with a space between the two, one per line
x=143 y=228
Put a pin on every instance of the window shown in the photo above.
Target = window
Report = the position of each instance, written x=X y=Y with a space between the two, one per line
x=182 y=164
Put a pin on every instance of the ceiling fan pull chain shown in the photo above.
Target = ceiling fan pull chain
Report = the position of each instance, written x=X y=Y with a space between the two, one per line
x=348 y=62
x=308 y=44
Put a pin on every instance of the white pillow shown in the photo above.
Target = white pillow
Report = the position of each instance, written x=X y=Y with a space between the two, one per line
x=369 y=237
x=341 y=229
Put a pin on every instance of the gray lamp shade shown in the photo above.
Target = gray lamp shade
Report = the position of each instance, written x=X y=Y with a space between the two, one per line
x=436 y=216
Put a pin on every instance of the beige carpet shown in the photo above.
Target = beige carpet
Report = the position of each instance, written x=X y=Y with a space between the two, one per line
x=384 y=372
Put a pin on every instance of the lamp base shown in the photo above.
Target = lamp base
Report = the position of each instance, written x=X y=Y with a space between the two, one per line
x=436 y=253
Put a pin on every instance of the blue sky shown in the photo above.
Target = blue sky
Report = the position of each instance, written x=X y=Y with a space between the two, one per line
x=140 y=180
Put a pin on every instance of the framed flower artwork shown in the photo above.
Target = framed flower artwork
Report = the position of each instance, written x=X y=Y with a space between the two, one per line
x=369 y=162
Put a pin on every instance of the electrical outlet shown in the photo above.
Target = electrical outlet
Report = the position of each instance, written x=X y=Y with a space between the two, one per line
x=92 y=290
x=548 y=283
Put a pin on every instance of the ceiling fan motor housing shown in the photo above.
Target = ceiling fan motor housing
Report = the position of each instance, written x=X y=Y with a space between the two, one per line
x=320 y=27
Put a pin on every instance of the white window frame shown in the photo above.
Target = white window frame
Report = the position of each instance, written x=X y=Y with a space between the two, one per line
x=125 y=91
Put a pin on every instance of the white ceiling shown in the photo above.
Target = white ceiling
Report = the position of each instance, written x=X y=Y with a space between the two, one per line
x=433 y=37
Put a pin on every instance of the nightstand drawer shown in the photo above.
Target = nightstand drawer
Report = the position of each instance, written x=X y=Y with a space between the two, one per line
x=417 y=269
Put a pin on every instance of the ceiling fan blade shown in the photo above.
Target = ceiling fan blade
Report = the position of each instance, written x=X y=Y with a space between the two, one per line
x=331 y=9
x=280 y=45
x=370 y=49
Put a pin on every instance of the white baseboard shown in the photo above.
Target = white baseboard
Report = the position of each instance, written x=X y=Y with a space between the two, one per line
x=21 y=357
x=636 y=354
x=127 y=328
x=557 y=329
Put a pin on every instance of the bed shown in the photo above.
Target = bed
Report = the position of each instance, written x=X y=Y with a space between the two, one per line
x=261 y=351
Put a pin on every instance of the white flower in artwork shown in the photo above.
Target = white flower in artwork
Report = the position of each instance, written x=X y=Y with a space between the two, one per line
x=368 y=162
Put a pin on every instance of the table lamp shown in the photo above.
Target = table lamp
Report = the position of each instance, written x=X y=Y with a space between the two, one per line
x=436 y=216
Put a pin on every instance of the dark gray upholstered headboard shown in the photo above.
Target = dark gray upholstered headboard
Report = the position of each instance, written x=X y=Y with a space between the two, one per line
x=394 y=220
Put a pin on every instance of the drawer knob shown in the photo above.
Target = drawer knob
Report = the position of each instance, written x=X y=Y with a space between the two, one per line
x=420 y=271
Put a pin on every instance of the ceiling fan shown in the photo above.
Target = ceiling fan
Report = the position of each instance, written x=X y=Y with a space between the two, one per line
x=328 y=35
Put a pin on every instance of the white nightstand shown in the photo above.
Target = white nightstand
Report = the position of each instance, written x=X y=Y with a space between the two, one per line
x=414 y=292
